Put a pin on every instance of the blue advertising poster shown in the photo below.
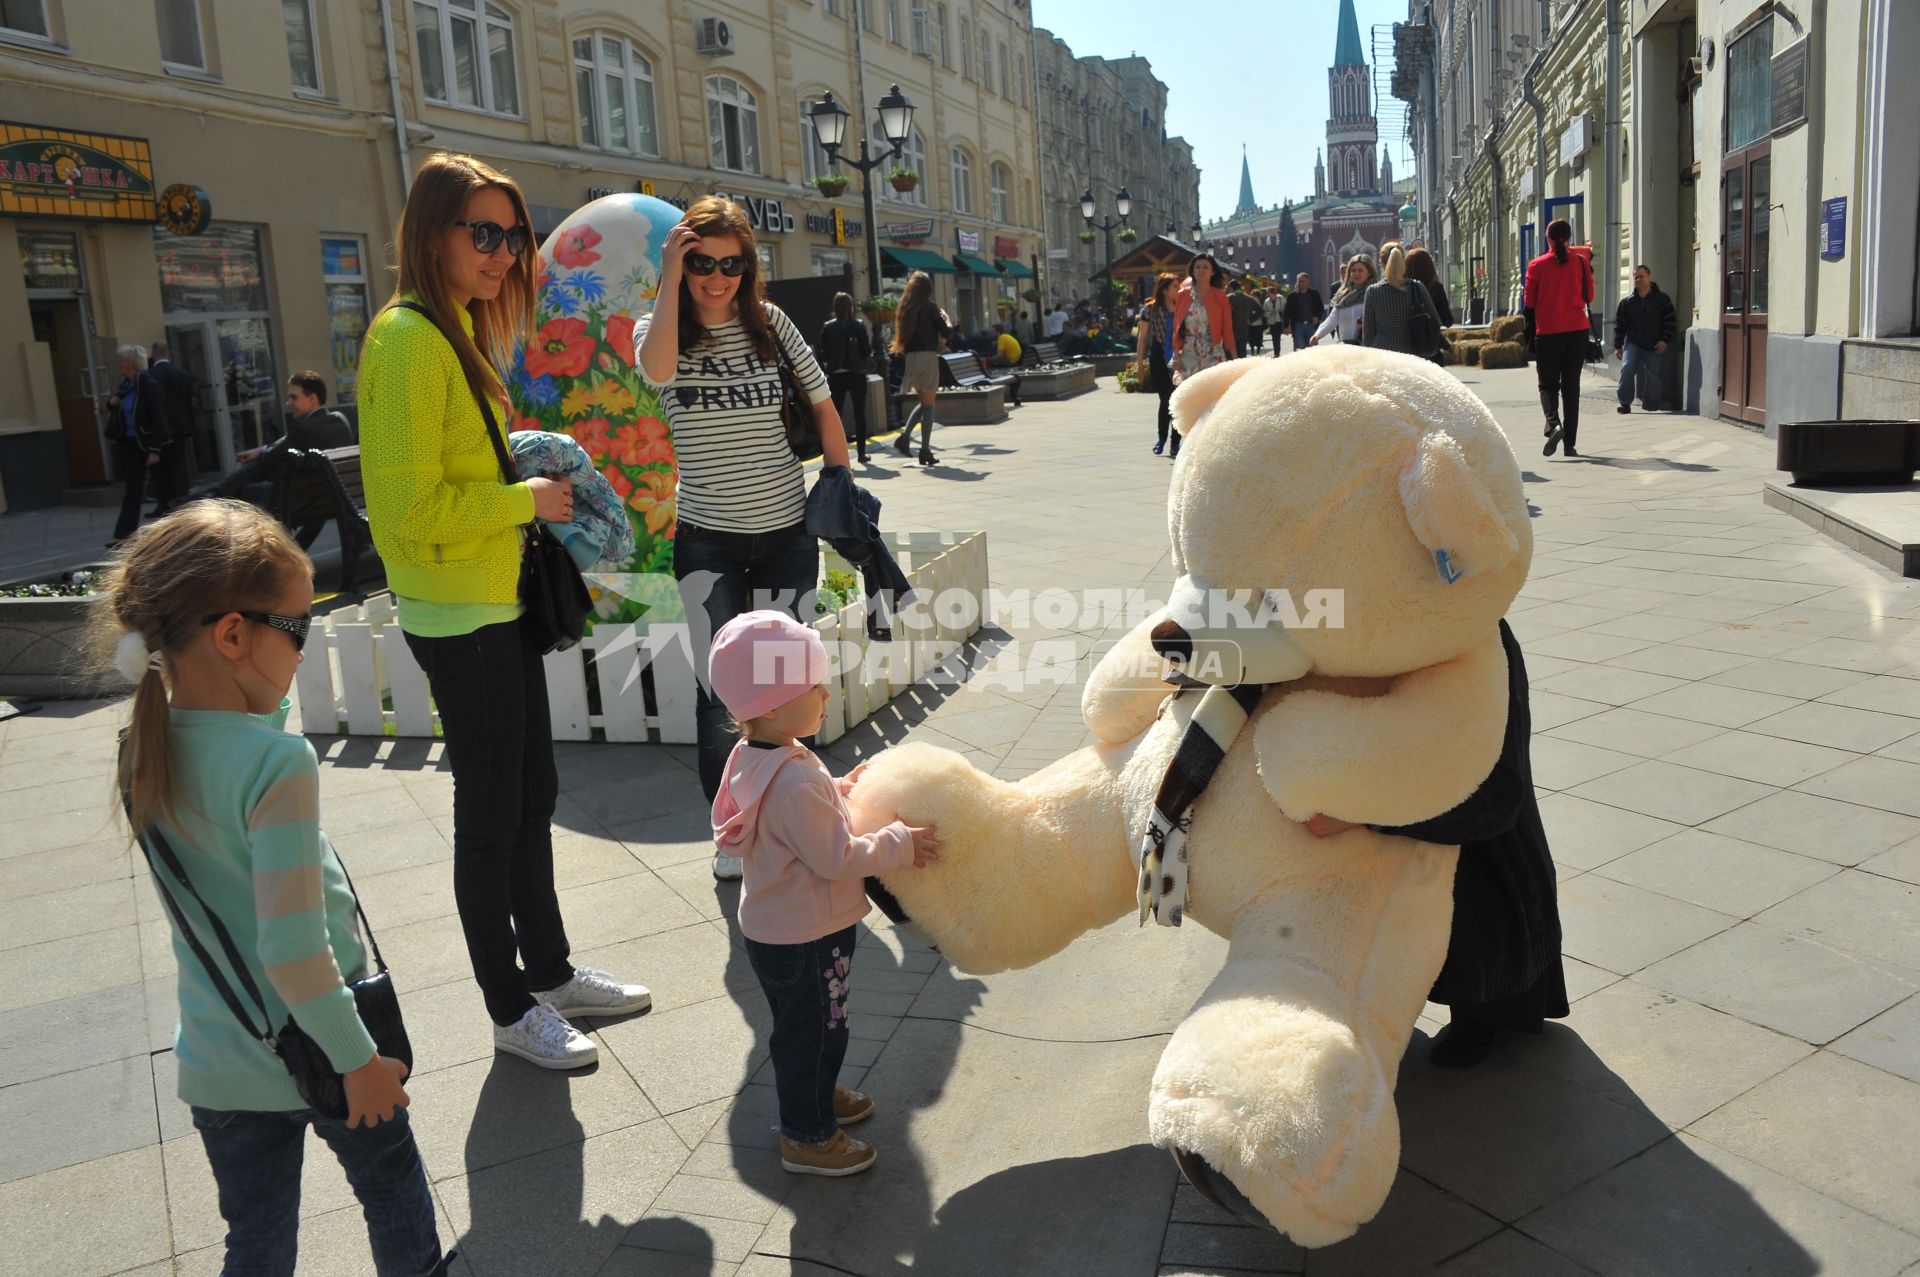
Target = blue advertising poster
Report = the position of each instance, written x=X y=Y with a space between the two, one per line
x=1833 y=229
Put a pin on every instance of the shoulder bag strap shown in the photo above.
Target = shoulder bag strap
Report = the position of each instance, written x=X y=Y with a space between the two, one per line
x=507 y=468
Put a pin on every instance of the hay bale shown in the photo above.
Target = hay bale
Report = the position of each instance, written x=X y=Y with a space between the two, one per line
x=1469 y=351
x=1503 y=354
x=1507 y=328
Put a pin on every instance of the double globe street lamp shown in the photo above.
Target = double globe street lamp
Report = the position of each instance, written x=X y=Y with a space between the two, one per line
x=1123 y=205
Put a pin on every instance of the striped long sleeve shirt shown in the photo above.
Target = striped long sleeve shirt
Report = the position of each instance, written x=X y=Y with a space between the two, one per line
x=248 y=834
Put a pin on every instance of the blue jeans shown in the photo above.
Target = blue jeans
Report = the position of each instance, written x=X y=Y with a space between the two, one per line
x=806 y=985
x=1303 y=333
x=721 y=575
x=256 y=1164
x=1638 y=362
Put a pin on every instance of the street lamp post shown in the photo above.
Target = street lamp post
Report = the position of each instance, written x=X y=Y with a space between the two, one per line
x=1123 y=205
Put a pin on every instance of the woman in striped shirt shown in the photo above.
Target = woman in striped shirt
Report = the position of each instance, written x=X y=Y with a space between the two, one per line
x=713 y=346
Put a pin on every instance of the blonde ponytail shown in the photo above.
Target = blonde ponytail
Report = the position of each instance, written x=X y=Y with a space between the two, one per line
x=1395 y=266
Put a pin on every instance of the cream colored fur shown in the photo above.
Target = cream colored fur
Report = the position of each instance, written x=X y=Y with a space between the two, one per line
x=1338 y=469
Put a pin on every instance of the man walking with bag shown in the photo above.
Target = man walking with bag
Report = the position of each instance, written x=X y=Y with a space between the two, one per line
x=1643 y=328
x=1305 y=310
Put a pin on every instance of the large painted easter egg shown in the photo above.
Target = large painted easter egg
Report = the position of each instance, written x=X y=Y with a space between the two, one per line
x=600 y=270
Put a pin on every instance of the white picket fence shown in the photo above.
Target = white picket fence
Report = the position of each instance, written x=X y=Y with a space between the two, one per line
x=360 y=679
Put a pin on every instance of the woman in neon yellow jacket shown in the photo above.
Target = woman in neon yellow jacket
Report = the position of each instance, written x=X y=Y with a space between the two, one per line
x=448 y=524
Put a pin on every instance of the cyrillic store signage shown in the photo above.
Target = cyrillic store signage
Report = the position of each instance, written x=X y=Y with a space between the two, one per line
x=60 y=173
x=1006 y=246
x=823 y=224
x=767 y=216
x=908 y=232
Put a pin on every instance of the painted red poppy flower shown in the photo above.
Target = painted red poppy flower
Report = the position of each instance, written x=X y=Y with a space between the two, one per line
x=561 y=348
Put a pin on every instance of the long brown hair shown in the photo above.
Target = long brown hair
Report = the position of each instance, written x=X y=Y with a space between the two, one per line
x=918 y=296
x=1559 y=232
x=211 y=556
x=436 y=201
x=717 y=215
x=1347 y=287
x=1163 y=284
x=1420 y=266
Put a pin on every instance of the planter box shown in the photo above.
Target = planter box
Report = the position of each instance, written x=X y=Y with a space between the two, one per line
x=976 y=406
x=1056 y=381
x=1849 y=453
x=40 y=650
x=1109 y=365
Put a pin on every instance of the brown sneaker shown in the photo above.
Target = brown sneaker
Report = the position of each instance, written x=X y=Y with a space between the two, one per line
x=851 y=1106
x=837 y=1155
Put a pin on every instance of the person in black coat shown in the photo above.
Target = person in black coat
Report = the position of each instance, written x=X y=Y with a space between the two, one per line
x=1420 y=266
x=137 y=428
x=846 y=353
x=1503 y=968
x=1304 y=310
x=174 y=474
x=1643 y=327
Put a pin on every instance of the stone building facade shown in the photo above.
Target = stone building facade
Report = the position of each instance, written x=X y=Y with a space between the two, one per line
x=1103 y=127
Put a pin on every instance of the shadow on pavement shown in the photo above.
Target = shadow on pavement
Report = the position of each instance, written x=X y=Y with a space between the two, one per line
x=1644 y=463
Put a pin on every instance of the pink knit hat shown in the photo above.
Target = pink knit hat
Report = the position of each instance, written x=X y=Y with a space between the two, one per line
x=762 y=660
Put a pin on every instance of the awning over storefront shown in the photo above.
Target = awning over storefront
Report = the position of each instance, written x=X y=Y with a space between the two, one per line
x=1015 y=267
x=907 y=259
x=978 y=265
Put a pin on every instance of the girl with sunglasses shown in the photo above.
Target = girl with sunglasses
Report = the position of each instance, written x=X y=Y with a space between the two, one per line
x=448 y=524
x=205 y=612
x=714 y=347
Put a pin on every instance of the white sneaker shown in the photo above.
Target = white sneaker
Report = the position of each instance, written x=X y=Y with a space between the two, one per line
x=543 y=1037
x=594 y=992
x=728 y=868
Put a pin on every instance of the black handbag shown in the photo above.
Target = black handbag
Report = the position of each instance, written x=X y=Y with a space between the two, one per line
x=1423 y=325
x=796 y=411
x=320 y=1085
x=551 y=588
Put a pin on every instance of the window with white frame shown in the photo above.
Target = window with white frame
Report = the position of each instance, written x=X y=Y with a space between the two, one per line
x=303 y=48
x=181 y=45
x=468 y=55
x=813 y=156
x=922 y=35
x=912 y=155
x=893 y=20
x=946 y=48
x=962 y=181
x=613 y=81
x=966 y=49
x=986 y=60
x=1006 y=81
x=733 y=125
x=997 y=176
x=25 y=17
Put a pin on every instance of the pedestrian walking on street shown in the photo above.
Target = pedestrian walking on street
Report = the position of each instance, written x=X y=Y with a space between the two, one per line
x=1420 y=266
x=1643 y=327
x=1274 y=307
x=847 y=356
x=137 y=429
x=175 y=475
x=1558 y=291
x=1153 y=344
x=920 y=333
x=1245 y=310
x=1256 y=320
x=206 y=612
x=1393 y=309
x=1305 y=310
x=714 y=347
x=1202 y=324
x=1343 y=322
x=448 y=525
x=783 y=813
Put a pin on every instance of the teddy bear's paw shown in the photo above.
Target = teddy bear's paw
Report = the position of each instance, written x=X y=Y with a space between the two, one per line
x=1287 y=1104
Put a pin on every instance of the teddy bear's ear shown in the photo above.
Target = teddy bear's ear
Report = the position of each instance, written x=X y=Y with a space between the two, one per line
x=1453 y=512
x=1197 y=395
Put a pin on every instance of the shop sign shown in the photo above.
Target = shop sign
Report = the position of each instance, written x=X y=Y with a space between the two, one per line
x=59 y=173
x=908 y=232
x=1057 y=254
x=1789 y=87
x=184 y=209
x=1006 y=246
x=968 y=241
x=1833 y=229
x=836 y=224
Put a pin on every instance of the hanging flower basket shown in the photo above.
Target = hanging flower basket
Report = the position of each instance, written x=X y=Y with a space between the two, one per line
x=830 y=184
x=1031 y=295
x=1086 y=237
x=1127 y=235
x=903 y=179
x=880 y=310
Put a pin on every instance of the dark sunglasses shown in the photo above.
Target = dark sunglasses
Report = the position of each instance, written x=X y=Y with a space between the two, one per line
x=487 y=236
x=701 y=264
x=294 y=627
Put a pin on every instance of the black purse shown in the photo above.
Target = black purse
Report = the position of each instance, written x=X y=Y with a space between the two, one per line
x=796 y=413
x=314 y=1077
x=551 y=588
x=1423 y=325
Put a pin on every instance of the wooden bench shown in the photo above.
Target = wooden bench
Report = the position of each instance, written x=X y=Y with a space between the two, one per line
x=314 y=486
x=1043 y=352
x=966 y=372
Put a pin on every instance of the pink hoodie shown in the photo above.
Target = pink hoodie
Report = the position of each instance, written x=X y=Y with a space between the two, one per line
x=780 y=810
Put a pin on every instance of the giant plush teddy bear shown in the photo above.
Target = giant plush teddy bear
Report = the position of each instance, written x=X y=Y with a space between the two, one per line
x=1373 y=474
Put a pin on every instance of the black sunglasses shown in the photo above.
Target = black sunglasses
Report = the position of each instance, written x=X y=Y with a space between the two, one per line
x=294 y=627
x=487 y=236
x=701 y=264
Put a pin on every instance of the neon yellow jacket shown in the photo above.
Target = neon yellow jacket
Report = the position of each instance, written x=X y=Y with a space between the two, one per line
x=445 y=522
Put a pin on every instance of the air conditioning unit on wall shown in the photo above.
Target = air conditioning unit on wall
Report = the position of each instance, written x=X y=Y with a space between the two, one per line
x=713 y=37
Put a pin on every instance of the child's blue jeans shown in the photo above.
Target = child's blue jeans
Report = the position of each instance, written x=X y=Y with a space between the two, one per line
x=806 y=985
x=256 y=1161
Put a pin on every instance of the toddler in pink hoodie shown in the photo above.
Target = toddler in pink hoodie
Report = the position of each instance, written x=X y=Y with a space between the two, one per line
x=784 y=814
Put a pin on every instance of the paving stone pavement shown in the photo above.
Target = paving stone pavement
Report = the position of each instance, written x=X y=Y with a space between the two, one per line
x=1728 y=748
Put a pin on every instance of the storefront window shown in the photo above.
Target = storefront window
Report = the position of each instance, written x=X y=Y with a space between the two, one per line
x=50 y=259
x=216 y=270
x=343 y=263
x=832 y=261
x=766 y=260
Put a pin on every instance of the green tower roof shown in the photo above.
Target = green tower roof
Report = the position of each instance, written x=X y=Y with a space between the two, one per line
x=1348 y=51
x=1246 y=204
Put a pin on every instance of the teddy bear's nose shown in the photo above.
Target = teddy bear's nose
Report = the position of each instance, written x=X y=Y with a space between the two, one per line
x=1171 y=640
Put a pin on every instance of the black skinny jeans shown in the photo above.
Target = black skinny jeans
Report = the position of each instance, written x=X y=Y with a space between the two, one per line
x=491 y=688
x=721 y=575
x=853 y=385
x=806 y=985
x=135 y=471
x=1160 y=374
x=1558 y=359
